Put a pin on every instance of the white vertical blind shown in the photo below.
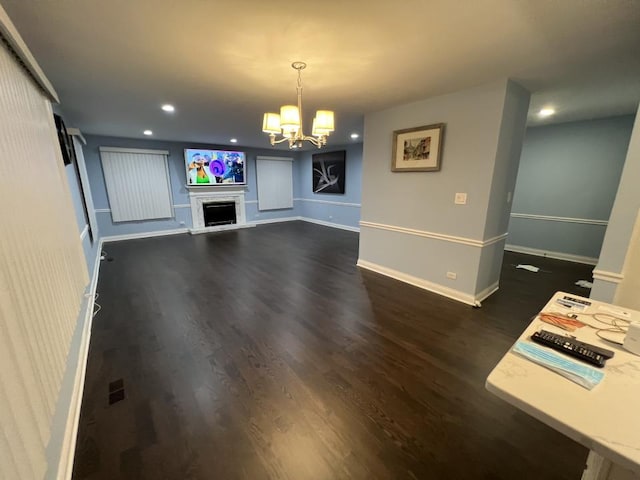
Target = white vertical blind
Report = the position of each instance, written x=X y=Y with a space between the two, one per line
x=42 y=272
x=275 y=182
x=137 y=183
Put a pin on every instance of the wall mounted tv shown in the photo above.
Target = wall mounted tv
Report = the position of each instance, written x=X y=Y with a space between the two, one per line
x=214 y=167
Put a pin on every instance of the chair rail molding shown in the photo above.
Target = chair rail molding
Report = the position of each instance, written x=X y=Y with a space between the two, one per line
x=437 y=236
x=550 y=218
x=605 y=276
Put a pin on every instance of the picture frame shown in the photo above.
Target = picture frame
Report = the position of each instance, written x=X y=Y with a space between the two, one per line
x=328 y=172
x=418 y=149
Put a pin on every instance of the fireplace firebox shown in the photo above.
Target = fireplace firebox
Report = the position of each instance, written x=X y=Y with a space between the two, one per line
x=219 y=213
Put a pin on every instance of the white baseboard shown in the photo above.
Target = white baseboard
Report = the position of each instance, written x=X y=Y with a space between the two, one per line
x=330 y=224
x=274 y=220
x=557 y=255
x=487 y=292
x=65 y=466
x=132 y=236
x=419 y=282
x=307 y=219
x=220 y=228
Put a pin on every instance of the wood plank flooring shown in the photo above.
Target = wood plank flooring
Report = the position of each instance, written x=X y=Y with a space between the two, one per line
x=267 y=354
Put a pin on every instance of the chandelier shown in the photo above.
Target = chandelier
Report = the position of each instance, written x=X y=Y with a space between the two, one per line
x=289 y=122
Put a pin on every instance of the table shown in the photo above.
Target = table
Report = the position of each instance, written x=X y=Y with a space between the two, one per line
x=606 y=419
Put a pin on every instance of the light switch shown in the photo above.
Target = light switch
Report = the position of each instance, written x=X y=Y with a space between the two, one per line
x=461 y=199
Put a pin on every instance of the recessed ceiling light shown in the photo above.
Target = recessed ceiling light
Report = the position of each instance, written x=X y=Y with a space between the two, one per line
x=234 y=140
x=168 y=108
x=546 y=112
x=148 y=132
x=355 y=135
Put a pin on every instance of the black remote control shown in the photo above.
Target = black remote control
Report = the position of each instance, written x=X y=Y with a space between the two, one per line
x=582 y=351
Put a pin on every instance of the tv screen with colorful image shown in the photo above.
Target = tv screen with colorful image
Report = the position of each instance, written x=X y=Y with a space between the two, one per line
x=214 y=167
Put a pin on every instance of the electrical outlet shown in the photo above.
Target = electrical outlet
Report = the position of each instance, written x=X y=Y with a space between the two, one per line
x=182 y=223
x=460 y=199
x=330 y=217
x=452 y=275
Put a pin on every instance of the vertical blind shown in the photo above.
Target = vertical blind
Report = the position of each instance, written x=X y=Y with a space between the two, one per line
x=42 y=272
x=275 y=182
x=137 y=183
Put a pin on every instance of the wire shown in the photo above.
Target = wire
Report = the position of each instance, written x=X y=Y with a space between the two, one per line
x=614 y=324
x=96 y=304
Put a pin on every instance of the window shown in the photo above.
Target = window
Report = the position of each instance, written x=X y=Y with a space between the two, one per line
x=275 y=182
x=137 y=183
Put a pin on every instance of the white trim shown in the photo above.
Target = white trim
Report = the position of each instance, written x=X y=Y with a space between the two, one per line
x=487 y=292
x=418 y=282
x=330 y=224
x=586 y=221
x=108 y=210
x=134 y=150
x=13 y=38
x=328 y=202
x=84 y=232
x=605 y=276
x=75 y=132
x=67 y=454
x=132 y=236
x=557 y=255
x=438 y=236
x=275 y=220
x=220 y=228
x=250 y=201
x=283 y=159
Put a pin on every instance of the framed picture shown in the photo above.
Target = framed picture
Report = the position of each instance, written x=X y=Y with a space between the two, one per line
x=329 y=172
x=417 y=149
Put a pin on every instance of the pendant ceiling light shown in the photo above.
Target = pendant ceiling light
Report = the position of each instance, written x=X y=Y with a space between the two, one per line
x=288 y=123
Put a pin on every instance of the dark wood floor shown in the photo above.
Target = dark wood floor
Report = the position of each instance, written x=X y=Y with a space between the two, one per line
x=265 y=353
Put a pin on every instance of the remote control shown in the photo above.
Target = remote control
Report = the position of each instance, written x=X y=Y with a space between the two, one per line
x=582 y=351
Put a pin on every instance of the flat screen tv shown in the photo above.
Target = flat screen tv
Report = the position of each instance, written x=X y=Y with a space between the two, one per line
x=214 y=167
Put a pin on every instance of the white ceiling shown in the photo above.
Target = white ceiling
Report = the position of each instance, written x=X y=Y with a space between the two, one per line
x=223 y=63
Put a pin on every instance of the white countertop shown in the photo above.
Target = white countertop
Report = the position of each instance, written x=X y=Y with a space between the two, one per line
x=605 y=419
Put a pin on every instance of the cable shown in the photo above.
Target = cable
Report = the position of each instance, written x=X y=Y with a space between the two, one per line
x=613 y=323
x=95 y=304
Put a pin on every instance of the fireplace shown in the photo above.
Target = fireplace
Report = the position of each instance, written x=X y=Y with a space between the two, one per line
x=215 y=209
x=219 y=213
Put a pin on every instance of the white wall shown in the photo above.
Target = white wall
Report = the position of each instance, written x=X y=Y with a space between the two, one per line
x=410 y=226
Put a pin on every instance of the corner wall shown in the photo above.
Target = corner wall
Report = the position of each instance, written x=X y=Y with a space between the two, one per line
x=411 y=229
x=618 y=246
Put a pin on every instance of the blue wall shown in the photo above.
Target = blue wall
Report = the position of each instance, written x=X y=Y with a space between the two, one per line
x=178 y=184
x=569 y=170
x=332 y=208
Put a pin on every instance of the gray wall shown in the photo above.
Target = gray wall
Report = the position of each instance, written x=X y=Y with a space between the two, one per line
x=572 y=171
x=420 y=234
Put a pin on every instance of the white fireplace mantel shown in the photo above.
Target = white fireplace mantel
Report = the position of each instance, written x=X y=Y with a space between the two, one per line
x=211 y=195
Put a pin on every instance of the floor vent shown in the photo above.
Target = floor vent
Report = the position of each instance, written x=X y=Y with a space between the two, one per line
x=116 y=391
